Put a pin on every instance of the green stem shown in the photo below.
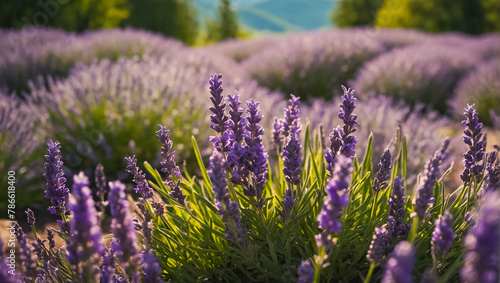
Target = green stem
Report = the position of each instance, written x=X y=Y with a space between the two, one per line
x=318 y=264
x=414 y=229
x=370 y=273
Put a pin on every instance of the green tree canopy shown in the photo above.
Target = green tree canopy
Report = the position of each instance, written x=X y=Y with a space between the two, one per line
x=175 y=18
x=472 y=17
x=350 y=13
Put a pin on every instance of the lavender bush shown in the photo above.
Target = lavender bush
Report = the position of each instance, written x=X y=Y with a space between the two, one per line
x=311 y=64
x=481 y=88
x=425 y=73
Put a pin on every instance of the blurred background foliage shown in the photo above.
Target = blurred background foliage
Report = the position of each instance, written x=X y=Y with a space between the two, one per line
x=199 y=22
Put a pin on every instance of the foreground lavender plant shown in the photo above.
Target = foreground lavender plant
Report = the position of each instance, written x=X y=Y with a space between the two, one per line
x=256 y=162
x=26 y=259
x=397 y=207
x=337 y=196
x=482 y=244
x=476 y=142
x=84 y=245
x=229 y=210
x=492 y=177
x=236 y=123
x=305 y=272
x=139 y=178
x=56 y=188
x=442 y=235
x=292 y=151
x=125 y=240
x=168 y=163
x=430 y=176
x=219 y=119
x=400 y=266
x=380 y=246
x=383 y=172
x=341 y=141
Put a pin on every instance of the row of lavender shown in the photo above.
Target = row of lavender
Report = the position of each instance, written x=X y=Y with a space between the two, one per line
x=318 y=213
x=443 y=70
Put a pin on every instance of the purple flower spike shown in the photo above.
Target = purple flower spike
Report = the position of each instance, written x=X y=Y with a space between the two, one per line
x=151 y=268
x=84 y=246
x=237 y=122
x=100 y=181
x=397 y=208
x=346 y=108
x=139 y=178
x=291 y=115
x=229 y=210
x=168 y=164
x=482 y=244
x=26 y=259
x=256 y=164
x=56 y=188
x=399 y=268
x=492 y=178
x=176 y=192
x=288 y=202
x=380 y=246
x=125 y=239
x=384 y=172
x=50 y=238
x=426 y=187
x=341 y=141
x=337 y=196
x=219 y=120
x=476 y=142
x=277 y=130
x=292 y=151
x=31 y=216
x=305 y=272
x=442 y=235
x=108 y=267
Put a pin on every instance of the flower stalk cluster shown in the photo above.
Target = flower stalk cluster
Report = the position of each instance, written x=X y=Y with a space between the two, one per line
x=341 y=140
x=56 y=182
x=476 y=141
x=142 y=186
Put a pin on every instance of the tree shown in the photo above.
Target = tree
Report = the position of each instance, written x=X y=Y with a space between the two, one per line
x=228 y=21
x=175 y=18
x=350 y=13
x=435 y=15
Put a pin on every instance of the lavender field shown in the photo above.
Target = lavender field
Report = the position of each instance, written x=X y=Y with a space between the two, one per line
x=337 y=155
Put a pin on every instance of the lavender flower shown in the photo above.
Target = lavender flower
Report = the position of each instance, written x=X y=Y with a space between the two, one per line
x=345 y=113
x=292 y=151
x=383 y=172
x=288 y=202
x=236 y=122
x=397 y=208
x=305 y=272
x=476 y=142
x=176 y=192
x=482 y=244
x=5 y=275
x=56 y=189
x=151 y=268
x=228 y=209
x=50 y=238
x=25 y=255
x=277 y=130
x=442 y=235
x=125 y=239
x=430 y=176
x=84 y=247
x=341 y=142
x=139 y=178
x=380 y=246
x=168 y=164
x=492 y=178
x=31 y=216
x=108 y=267
x=159 y=208
x=400 y=266
x=256 y=164
x=337 y=196
x=219 y=119
x=100 y=181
